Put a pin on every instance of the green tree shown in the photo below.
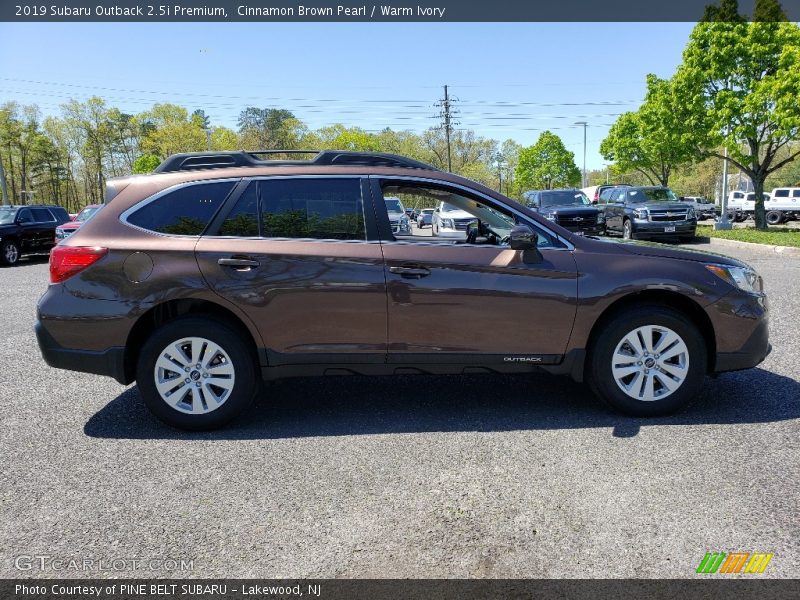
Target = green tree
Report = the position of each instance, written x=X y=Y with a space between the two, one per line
x=547 y=165
x=168 y=129
x=270 y=128
x=737 y=87
x=146 y=163
x=339 y=137
x=649 y=140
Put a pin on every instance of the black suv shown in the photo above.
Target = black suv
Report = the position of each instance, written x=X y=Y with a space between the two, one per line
x=28 y=230
x=648 y=212
x=569 y=208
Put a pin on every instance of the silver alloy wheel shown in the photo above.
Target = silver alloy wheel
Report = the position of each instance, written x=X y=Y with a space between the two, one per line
x=650 y=363
x=12 y=253
x=194 y=375
x=627 y=230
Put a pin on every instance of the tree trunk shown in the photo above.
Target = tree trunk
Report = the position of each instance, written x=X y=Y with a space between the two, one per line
x=758 y=188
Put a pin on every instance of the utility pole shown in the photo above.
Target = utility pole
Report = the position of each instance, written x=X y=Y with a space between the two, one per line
x=446 y=114
x=208 y=137
x=3 y=186
x=583 y=175
x=723 y=223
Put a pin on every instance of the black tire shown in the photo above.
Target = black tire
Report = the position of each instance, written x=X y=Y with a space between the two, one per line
x=9 y=253
x=627 y=230
x=599 y=360
x=246 y=376
x=774 y=217
x=739 y=217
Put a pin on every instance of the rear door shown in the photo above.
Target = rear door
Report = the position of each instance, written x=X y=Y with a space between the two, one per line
x=45 y=227
x=294 y=254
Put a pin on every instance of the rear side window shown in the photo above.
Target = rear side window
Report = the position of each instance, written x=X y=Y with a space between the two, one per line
x=42 y=215
x=242 y=221
x=312 y=208
x=184 y=211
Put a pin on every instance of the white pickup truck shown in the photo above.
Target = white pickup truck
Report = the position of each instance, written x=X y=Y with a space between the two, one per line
x=783 y=204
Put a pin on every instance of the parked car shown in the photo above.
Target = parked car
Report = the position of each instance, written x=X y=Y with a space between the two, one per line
x=425 y=217
x=397 y=215
x=593 y=192
x=743 y=204
x=70 y=227
x=649 y=212
x=449 y=221
x=783 y=205
x=569 y=208
x=28 y=230
x=703 y=208
x=201 y=279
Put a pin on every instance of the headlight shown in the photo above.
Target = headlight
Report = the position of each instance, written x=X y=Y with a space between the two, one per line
x=601 y=218
x=640 y=213
x=690 y=214
x=448 y=224
x=550 y=218
x=740 y=277
x=59 y=234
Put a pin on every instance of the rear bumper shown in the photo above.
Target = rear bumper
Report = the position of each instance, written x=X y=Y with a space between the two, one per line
x=109 y=362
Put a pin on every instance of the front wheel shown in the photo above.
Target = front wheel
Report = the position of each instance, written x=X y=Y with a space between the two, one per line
x=774 y=217
x=9 y=253
x=627 y=230
x=196 y=374
x=647 y=361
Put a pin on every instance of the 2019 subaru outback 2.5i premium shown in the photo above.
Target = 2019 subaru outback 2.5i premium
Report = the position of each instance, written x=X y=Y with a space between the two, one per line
x=221 y=269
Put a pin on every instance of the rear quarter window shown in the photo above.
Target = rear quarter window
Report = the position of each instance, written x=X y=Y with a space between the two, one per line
x=186 y=210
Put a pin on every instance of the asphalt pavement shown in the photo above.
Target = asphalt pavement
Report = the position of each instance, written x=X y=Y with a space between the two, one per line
x=446 y=476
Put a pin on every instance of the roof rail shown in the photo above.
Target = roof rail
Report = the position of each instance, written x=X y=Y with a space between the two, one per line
x=192 y=161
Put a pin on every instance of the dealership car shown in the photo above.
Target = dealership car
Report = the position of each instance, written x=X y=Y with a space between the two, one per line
x=72 y=226
x=27 y=230
x=569 y=208
x=425 y=217
x=703 y=208
x=450 y=221
x=221 y=269
x=649 y=212
x=397 y=215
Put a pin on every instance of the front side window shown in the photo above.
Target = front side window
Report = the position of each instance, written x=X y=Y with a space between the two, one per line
x=314 y=208
x=453 y=216
x=795 y=193
x=242 y=221
x=25 y=216
x=781 y=193
x=184 y=211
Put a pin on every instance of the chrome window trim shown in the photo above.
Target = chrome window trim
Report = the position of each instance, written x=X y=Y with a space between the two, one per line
x=142 y=203
x=474 y=192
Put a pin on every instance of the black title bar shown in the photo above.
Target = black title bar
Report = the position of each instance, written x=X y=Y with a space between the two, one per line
x=451 y=11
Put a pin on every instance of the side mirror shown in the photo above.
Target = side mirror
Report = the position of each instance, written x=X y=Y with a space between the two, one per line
x=524 y=238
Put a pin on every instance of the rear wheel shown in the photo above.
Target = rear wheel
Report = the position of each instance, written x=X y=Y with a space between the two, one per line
x=647 y=361
x=9 y=253
x=196 y=374
x=774 y=217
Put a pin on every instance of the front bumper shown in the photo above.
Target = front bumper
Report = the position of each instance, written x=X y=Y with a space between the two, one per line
x=741 y=322
x=659 y=229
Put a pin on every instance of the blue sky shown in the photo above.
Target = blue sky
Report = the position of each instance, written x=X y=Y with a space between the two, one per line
x=370 y=75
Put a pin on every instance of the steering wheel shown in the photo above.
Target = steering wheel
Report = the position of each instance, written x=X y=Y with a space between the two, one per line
x=472 y=234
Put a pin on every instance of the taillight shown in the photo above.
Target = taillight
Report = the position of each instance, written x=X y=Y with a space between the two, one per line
x=66 y=261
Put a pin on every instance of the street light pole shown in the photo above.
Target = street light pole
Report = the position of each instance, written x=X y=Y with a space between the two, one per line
x=723 y=222
x=583 y=175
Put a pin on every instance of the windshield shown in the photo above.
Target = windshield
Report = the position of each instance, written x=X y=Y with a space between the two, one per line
x=7 y=215
x=565 y=198
x=86 y=213
x=652 y=195
x=427 y=211
x=393 y=205
x=447 y=207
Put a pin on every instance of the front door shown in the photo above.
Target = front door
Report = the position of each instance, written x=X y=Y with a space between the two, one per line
x=293 y=254
x=472 y=299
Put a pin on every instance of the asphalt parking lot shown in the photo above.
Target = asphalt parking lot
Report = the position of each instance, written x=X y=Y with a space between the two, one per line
x=400 y=477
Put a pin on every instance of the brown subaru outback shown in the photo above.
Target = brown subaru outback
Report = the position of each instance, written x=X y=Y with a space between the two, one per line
x=225 y=268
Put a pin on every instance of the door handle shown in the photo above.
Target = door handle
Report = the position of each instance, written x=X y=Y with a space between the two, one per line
x=410 y=272
x=239 y=264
